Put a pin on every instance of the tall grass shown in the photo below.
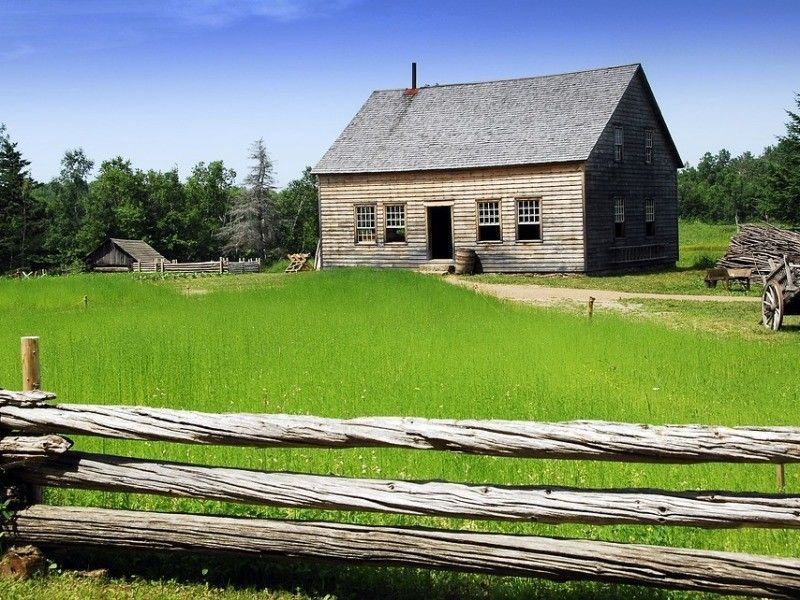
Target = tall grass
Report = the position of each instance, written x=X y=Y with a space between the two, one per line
x=360 y=342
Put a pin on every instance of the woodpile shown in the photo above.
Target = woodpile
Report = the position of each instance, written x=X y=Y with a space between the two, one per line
x=755 y=245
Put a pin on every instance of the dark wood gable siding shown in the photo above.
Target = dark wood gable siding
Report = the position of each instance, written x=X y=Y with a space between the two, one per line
x=110 y=255
x=634 y=181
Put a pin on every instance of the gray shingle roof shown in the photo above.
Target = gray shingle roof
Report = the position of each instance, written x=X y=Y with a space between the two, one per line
x=555 y=118
x=138 y=250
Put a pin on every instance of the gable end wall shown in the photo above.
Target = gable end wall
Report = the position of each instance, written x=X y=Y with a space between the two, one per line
x=635 y=181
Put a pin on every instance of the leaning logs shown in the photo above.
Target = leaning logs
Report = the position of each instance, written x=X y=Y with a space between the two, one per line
x=754 y=246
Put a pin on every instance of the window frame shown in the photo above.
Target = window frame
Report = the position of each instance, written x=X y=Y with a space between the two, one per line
x=649 y=216
x=619 y=223
x=619 y=143
x=374 y=227
x=499 y=223
x=537 y=212
x=648 y=146
x=386 y=228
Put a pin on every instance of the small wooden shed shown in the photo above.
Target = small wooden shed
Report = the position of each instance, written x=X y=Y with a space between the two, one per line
x=116 y=255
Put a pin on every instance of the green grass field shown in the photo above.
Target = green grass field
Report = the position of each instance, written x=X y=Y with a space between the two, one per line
x=701 y=245
x=361 y=342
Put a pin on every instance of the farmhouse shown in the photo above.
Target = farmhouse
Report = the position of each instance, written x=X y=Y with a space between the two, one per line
x=119 y=255
x=571 y=172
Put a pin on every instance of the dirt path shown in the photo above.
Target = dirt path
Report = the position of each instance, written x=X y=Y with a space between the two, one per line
x=603 y=298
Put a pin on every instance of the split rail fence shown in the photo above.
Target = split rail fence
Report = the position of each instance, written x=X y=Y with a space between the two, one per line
x=35 y=453
x=223 y=265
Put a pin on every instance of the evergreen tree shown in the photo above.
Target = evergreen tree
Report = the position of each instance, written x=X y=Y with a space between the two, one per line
x=253 y=222
x=21 y=214
x=784 y=172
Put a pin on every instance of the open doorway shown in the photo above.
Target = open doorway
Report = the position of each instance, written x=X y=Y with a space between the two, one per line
x=440 y=232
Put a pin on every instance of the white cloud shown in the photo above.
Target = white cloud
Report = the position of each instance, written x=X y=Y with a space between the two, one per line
x=219 y=13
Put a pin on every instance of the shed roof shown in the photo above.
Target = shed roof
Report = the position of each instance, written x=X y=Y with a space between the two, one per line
x=553 y=118
x=138 y=250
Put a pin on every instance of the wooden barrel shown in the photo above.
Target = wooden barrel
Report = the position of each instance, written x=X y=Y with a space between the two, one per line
x=465 y=261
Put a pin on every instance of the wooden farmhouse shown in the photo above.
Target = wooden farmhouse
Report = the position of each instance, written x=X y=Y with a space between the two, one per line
x=119 y=255
x=571 y=172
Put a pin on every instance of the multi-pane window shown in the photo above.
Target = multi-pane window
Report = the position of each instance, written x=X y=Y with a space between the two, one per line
x=396 y=223
x=619 y=143
x=365 y=224
x=648 y=146
x=489 y=221
x=529 y=220
x=650 y=216
x=619 y=216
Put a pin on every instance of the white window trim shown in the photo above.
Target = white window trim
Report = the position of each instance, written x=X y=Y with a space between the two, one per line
x=360 y=228
x=498 y=223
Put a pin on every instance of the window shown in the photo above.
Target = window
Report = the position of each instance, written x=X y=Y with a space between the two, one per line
x=648 y=146
x=529 y=220
x=489 y=221
x=619 y=216
x=619 y=142
x=365 y=224
x=396 y=223
x=650 y=216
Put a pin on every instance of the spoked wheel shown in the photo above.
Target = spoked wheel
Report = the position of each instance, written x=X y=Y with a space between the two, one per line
x=772 y=306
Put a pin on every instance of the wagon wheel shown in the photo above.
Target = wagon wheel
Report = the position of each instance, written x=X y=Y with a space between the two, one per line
x=772 y=306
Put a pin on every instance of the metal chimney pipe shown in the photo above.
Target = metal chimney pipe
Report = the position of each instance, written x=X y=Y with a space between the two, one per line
x=413 y=75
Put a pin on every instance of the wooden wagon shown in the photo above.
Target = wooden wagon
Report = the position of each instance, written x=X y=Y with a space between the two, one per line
x=781 y=293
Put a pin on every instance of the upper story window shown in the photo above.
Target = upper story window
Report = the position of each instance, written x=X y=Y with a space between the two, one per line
x=529 y=220
x=619 y=216
x=648 y=146
x=619 y=144
x=365 y=224
x=396 y=223
x=489 y=221
x=650 y=216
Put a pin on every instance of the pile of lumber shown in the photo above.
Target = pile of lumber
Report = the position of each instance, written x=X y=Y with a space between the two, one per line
x=754 y=246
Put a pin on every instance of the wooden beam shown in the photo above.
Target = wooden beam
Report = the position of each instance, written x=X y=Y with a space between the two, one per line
x=528 y=556
x=588 y=440
x=432 y=498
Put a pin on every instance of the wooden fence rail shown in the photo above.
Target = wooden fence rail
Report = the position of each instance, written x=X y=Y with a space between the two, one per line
x=710 y=509
x=496 y=554
x=585 y=440
x=33 y=453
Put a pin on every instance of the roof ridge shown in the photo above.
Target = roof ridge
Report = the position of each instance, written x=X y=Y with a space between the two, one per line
x=529 y=77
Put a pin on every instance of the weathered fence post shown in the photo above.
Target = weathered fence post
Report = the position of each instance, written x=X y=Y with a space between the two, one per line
x=31 y=374
x=220 y=265
x=780 y=477
x=31 y=380
x=591 y=306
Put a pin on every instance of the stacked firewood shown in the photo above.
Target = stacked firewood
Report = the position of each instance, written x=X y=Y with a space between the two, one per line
x=754 y=246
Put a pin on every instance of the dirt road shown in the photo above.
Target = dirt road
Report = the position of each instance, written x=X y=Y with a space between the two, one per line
x=603 y=298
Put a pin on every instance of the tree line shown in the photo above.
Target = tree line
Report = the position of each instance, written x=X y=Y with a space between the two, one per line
x=748 y=187
x=55 y=224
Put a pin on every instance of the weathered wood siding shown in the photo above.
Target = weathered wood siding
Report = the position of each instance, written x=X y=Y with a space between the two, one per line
x=635 y=181
x=109 y=255
x=560 y=188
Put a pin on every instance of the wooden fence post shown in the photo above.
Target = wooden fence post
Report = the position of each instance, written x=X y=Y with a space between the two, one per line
x=220 y=265
x=31 y=373
x=31 y=380
x=591 y=306
x=780 y=477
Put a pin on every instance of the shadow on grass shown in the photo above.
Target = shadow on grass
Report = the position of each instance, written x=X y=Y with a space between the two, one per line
x=319 y=580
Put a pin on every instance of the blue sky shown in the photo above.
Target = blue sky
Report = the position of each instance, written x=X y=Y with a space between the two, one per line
x=168 y=83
